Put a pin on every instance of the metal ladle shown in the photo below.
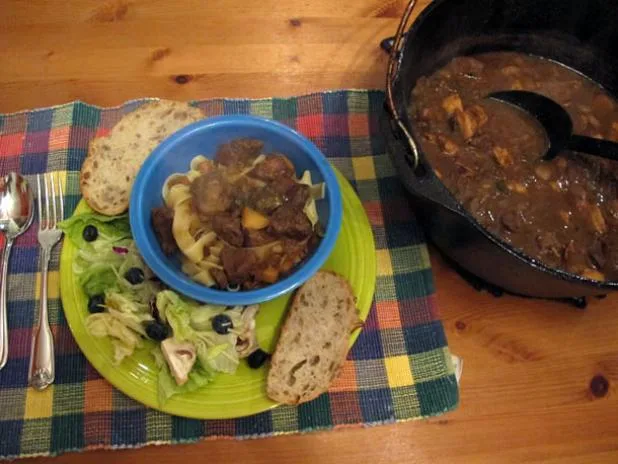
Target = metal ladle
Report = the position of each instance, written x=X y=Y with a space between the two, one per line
x=557 y=124
x=16 y=213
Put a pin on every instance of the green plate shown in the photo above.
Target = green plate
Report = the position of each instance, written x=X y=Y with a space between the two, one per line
x=243 y=393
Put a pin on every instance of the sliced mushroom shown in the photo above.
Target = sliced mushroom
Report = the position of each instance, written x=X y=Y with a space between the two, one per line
x=247 y=340
x=180 y=357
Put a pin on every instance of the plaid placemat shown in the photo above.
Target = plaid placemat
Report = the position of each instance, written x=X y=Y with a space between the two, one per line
x=399 y=369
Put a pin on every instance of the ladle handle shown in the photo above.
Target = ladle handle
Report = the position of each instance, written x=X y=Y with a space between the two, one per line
x=592 y=146
x=4 y=328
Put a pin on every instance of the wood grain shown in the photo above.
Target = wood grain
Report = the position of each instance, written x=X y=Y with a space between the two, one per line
x=528 y=365
x=107 y=52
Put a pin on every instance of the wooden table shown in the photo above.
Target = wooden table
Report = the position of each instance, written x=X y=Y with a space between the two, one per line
x=539 y=381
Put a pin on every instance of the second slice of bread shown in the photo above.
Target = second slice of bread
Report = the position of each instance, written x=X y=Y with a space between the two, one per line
x=314 y=339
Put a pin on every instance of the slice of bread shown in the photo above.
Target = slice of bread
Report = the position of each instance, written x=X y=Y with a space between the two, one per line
x=113 y=161
x=314 y=339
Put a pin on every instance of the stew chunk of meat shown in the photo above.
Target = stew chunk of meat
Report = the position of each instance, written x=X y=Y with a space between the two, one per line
x=273 y=168
x=239 y=152
x=162 y=220
x=219 y=277
x=227 y=226
x=290 y=221
x=297 y=195
x=266 y=200
x=211 y=193
x=282 y=185
x=256 y=238
x=238 y=263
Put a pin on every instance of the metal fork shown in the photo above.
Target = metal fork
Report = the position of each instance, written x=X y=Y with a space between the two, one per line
x=42 y=370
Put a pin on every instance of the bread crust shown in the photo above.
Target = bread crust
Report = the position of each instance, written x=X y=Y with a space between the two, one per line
x=113 y=161
x=314 y=339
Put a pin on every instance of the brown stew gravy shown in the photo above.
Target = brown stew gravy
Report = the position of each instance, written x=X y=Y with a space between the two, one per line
x=563 y=212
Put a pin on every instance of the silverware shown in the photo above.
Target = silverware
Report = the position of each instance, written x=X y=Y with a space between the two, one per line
x=42 y=371
x=558 y=125
x=16 y=213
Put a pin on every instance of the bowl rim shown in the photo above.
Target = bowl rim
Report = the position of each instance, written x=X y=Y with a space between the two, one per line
x=198 y=291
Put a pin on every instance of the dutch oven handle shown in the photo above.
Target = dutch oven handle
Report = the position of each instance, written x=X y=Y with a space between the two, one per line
x=418 y=180
x=393 y=46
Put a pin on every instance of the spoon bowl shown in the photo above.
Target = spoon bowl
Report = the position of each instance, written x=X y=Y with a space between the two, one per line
x=16 y=205
x=557 y=124
x=16 y=214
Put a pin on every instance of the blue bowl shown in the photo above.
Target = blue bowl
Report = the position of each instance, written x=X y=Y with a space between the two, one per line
x=174 y=154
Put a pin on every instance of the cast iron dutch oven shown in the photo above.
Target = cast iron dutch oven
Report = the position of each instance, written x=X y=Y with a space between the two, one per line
x=580 y=34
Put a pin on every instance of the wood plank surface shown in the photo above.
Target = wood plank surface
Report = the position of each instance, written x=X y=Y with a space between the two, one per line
x=540 y=378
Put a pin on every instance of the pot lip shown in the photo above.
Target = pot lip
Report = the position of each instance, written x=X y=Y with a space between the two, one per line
x=504 y=245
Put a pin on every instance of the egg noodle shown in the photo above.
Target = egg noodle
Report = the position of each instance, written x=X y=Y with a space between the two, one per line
x=199 y=244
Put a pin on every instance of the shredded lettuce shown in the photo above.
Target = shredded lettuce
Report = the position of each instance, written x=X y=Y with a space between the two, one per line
x=123 y=322
x=168 y=387
x=123 y=338
x=192 y=322
x=131 y=313
x=100 y=267
x=176 y=312
x=97 y=265
x=110 y=228
x=97 y=278
x=217 y=353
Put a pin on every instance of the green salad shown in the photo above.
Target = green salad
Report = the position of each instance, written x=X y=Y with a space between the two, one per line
x=190 y=342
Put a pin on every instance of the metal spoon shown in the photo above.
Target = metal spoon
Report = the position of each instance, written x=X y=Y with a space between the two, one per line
x=557 y=124
x=16 y=213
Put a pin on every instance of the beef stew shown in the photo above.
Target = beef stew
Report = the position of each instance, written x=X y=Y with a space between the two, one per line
x=563 y=212
x=241 y=221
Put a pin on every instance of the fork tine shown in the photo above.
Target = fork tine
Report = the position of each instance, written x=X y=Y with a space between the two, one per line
x=38 y=197
x=53 y=201
x=47 y=216
x=61 y=196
